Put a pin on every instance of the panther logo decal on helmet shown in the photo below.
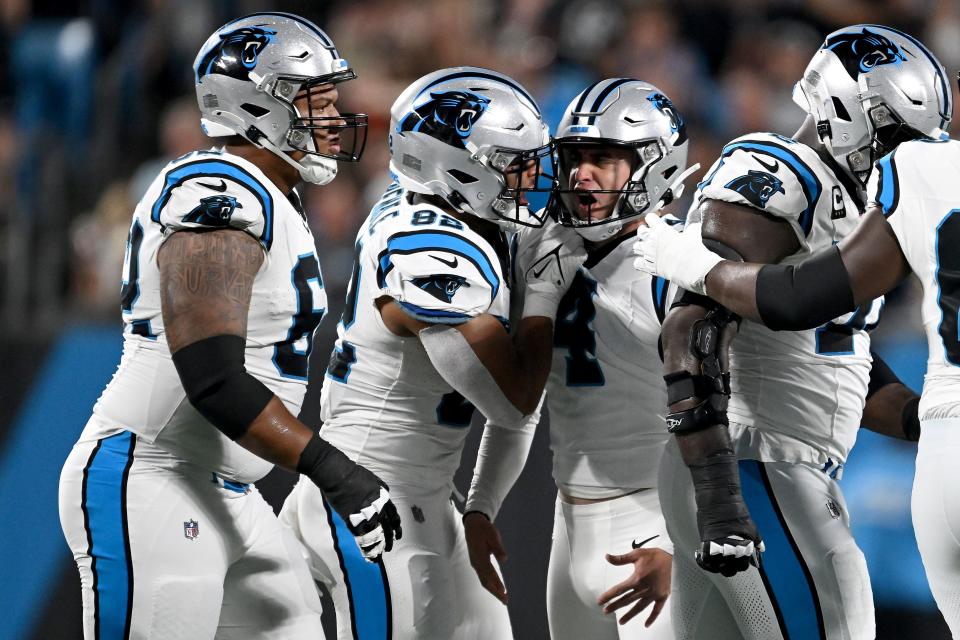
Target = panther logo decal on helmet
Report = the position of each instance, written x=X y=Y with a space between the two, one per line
x=449 y=116
x=665 y=106
x=863 y=52
x=441 y=286
x=236 y=53
x=757 y=187
x=213 y=211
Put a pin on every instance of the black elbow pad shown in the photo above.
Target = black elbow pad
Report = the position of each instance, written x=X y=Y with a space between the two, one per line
x=806 y=295
x=217 y=384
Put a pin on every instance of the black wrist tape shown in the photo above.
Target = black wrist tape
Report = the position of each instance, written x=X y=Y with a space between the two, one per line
x=720 y=506
x=212 y=373
x=806 y=295
x=910 y=419
x=328 y=468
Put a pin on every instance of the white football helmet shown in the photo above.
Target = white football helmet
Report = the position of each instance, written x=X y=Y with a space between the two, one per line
x=870 y=87
x=248 y=75
x=621 y=112
x=459 y=133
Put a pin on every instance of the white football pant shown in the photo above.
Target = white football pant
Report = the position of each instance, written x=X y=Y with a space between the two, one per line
x=168 y=550
x=579 y=572
x=423 y=588
x=812 y=582
x=936 y=513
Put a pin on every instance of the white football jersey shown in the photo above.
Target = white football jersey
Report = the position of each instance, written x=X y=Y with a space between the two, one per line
x=383 y=403
x=918 y=190
x=212 y=190
x=803 y=390
x=605 y=392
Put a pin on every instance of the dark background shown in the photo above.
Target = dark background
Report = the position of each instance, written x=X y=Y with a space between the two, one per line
x=96 y=95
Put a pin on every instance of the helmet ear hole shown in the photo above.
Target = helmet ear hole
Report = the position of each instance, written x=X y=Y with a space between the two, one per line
x=669 y=172
x=254 y=109
x=840 y=110
x=461 y=177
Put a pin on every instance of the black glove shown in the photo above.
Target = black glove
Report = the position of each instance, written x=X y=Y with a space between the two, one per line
x=729 y=542
x=356 y=494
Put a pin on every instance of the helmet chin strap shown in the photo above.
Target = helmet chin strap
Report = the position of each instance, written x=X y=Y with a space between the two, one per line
x=316 y=170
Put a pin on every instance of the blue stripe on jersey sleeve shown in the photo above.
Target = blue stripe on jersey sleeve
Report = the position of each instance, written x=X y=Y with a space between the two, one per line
x=408 y=242
x=808 y=179
x=888 y=184
x=434 y=315
x=217 y=169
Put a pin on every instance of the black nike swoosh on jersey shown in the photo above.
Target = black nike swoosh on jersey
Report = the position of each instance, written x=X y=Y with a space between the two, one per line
x=450 y=263
x=637 y=545
x=220 y=188
x=555 y=253
x=772 y=168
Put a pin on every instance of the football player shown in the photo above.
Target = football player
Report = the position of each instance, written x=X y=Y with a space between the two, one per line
x=911 y=225
x=423 y=341
x=221 y=295
x=620 y=148
x=798 y=396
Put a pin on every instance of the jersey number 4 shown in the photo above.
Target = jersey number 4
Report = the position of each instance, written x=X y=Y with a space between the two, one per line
x=574 y=331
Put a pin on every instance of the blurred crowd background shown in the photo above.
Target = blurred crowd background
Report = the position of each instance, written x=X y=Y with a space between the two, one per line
x=97 y=95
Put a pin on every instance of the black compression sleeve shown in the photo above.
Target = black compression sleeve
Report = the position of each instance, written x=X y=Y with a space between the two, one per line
x=212 y=373
x=806 y=295
x=880 y=375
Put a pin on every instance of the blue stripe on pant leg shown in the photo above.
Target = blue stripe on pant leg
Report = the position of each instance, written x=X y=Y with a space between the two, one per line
x=105 y=504
x=787 y=574
x=367 y=583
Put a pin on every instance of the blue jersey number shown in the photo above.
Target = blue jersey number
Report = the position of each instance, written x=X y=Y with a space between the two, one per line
x=130 y=287
x=948 y=283
x=836 y=338
x=291 y=356
x=574 y=332
x=454 y=410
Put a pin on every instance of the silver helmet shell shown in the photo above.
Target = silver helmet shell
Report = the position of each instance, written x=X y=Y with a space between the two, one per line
x=622 y=112
x=870 y=87
x=248 y=74
x=456 y=132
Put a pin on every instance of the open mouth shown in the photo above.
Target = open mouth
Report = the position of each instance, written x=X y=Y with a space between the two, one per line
x=465 y=119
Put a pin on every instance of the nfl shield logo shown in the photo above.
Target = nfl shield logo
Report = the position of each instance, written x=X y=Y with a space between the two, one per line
x=191 y=529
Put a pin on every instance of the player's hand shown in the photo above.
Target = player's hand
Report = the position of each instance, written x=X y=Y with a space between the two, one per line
x=680 y=257
x=648 y=584
x=372 y=519
x=547 y=260
x=730 y=555
x=483 y=541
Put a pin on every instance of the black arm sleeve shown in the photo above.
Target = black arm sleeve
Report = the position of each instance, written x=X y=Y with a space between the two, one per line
x=806 y=295
x=212 y=373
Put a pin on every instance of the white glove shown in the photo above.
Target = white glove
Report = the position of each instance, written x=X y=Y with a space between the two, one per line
x=547 y=260
x=680 y=257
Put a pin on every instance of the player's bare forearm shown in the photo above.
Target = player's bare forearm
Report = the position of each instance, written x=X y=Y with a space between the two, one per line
x=206 y=281
x=884 y=410
x=277 y=436
x=734 y=285
x=519 y=364
x=757 y=238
